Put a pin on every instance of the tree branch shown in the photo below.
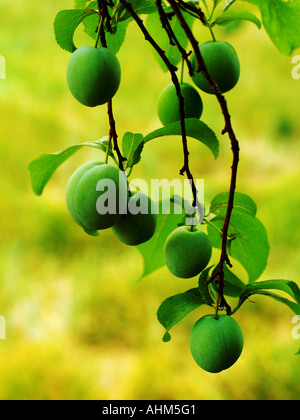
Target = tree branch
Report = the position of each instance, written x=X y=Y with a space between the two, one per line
x=172 y=69
x=164 y=18
x=234 y=147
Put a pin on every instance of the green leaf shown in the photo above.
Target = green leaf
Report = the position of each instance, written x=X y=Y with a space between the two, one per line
x=132 y=146
x=292 y=305
x=65 y=24
x=234 y=15
x=288 y=286
x=241 y=201
x=175 y=308
x=152 y=251
x=250 y=246
x=281 y=21
x=195 y=128
x=154 y=26
x=42 y=168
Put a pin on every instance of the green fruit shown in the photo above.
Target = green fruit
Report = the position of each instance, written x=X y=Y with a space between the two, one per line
x=222 y=63
x=136 y=228
x=187 y=252
x=216 y=344
x=168 y=103
x=84 y=195
x=93 y=75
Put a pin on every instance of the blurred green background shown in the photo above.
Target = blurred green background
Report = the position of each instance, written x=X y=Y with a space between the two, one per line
x=78 y=324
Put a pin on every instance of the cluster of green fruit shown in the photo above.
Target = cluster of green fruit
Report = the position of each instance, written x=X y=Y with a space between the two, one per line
x=222 y=64
x=215 y=342
x=85 y=197
x=93 y=77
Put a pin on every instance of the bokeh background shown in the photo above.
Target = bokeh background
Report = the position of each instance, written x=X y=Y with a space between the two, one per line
x=78 y=324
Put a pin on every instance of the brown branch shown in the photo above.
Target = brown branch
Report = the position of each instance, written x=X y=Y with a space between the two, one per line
x=164 y=18
x=172 y=69
x=114 y=136
x=193 y=9
x=104 y=15
x=235 y=151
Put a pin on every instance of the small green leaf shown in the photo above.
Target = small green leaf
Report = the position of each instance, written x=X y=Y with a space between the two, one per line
x=175 y=308
x=66 y=23
x=195 y=128
x=288 y=286
x=241 y=201
x=42 y=168
x=281 y=21
x=234 y=15
x=132 y=146
x=250 y=246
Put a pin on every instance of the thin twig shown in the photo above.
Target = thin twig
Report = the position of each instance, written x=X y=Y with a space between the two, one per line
x=104 y=15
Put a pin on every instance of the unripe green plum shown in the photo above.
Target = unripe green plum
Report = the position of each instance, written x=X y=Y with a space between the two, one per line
x=138 y=225
x=93 y=75
x=187 y=252
x=222 y=63
x=216 y=343
x=168 y=103
x=89 y=187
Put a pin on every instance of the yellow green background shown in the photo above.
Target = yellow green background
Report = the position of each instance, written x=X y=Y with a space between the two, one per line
x=78 y=324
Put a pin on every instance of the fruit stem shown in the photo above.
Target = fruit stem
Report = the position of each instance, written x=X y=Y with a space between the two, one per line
x=210 y=28
x=214 y=226
x=212 y=33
